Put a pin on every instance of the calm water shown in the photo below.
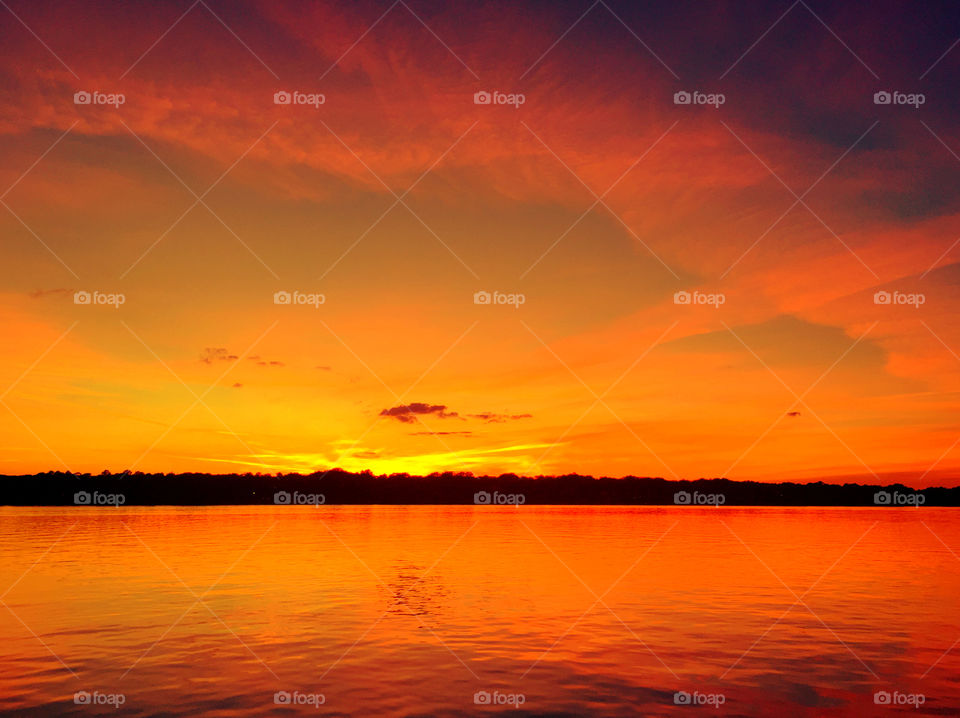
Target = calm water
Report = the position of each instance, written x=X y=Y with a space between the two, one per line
x=412 y=611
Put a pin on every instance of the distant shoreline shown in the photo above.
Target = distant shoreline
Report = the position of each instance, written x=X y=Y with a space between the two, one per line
x=337 y=487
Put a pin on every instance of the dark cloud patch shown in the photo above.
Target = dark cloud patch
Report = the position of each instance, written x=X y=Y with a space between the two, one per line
x=407 y=413
x=211 y=355
x=442 y=433
x=260 y=361
x=793 y=413
x=928 y=192
x=493 y=418
x=237 y=385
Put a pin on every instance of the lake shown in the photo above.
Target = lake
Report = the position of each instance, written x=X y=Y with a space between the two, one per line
x=481 y=610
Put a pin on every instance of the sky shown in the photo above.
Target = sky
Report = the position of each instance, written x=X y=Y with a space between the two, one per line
x=760 y=283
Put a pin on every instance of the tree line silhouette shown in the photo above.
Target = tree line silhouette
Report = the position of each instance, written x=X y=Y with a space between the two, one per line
x=341 y=487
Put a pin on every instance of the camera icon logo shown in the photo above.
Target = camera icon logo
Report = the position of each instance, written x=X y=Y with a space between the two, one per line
x=282 y=498
x=681 y=297
x=882 y=98
x=82 y=297
x=282 y=97
x=482 y=297
x=882 y=498
x=82 y=498
x=282 y=698
x=81 y=698
x=682 y=98
x=82 y=97
x=682 y=698
x=282 y=297
x=482 y=98
x=682 y=498
x=481 y=698
x=881 y=698
x=482 y=497
x=882 y=297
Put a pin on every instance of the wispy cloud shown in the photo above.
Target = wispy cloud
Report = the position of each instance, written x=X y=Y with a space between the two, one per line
x=493 y=418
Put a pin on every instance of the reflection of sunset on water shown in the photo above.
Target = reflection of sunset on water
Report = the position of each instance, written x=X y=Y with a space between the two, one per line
x=415 y=609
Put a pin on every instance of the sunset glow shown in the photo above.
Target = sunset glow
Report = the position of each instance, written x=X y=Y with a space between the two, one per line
x=398 y=197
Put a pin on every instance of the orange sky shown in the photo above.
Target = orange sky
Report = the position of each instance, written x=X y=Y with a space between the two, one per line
x=799 y=374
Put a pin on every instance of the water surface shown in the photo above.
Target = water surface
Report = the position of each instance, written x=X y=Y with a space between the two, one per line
x=414 y=610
